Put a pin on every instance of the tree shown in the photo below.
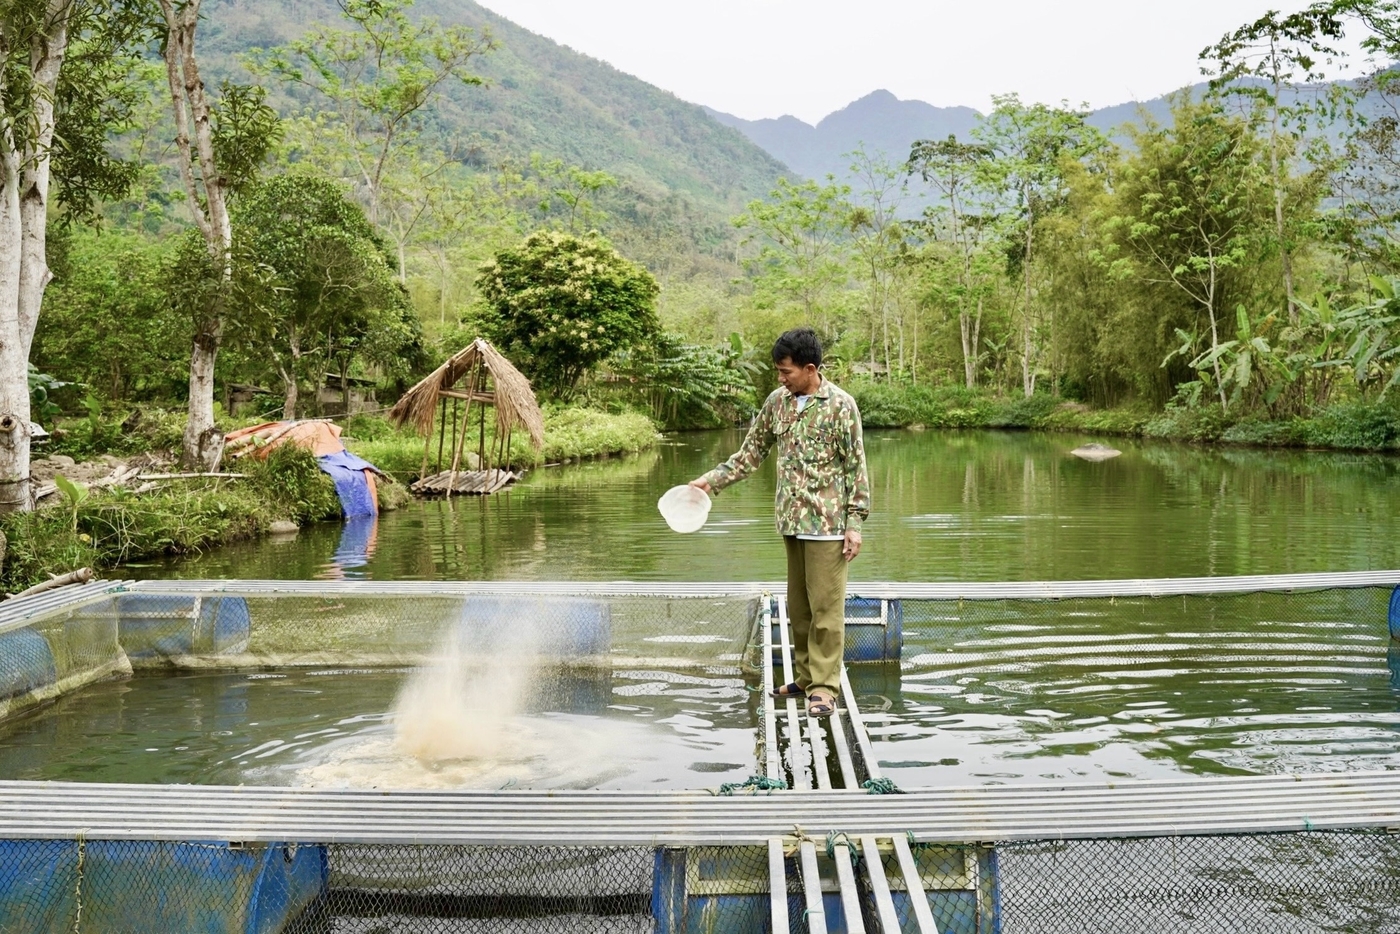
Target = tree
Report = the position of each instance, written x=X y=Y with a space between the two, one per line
x=107 y=320
x=1194 y=200
x=802 y=234
x=1276 y=63
x=219 y=149
x=560 y=304
x=1031 y=143
x=375 y=82
x=314 y=287
x=954 y=168
x=879 y=245
x=37 y=97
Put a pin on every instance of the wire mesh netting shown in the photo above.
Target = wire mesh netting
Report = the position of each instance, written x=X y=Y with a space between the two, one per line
x=339 y=628
x=1276 y=882
x=948 y=623
x=1285 y=883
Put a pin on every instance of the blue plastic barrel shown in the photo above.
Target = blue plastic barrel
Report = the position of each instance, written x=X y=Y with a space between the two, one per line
x=144 y=885
x=26 y=663
x=556 y=627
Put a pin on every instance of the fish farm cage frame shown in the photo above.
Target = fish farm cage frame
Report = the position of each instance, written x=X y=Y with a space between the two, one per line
x=819 y=840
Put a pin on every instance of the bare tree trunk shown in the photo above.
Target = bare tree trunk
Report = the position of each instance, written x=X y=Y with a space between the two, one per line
x=965 y=332
x=1027 y=348
x=203 y=446
x=24 y=272
x=14 y=379
x=289 y=378
x=1215 y=334
x=289 y=394
x=203 y=441
x=1284 y=255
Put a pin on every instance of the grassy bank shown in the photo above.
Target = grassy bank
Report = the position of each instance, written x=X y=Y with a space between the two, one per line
x=105 y=528
x=109 y=527
x=1346 y=426
x=570 y=434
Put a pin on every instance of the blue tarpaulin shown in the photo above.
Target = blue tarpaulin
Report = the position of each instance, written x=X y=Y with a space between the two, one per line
x=352 y=485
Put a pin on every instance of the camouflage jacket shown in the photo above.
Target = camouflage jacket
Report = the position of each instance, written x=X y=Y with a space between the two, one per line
x=823 y=488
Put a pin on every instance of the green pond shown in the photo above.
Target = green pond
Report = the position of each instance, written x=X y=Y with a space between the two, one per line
x=1074 y=691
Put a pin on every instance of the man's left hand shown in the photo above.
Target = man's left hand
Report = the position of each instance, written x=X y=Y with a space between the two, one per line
x=851 y=548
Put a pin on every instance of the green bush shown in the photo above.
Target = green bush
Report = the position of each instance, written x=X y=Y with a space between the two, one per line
x=574 y=433
x=1357 y=425
x=185 y=518
x=291 y=484
x=1202 y=424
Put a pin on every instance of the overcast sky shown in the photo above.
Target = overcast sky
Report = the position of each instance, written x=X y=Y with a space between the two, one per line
x=765 y=58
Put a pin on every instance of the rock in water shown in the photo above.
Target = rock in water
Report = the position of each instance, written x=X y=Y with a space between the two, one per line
x=1095 y=452
x=284 y=527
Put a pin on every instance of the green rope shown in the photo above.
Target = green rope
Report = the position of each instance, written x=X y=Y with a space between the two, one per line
x=754 y=784
x=881 y=786
x=837 y=837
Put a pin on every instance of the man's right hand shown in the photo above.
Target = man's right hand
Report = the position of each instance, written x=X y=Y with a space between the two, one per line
x=701 y=485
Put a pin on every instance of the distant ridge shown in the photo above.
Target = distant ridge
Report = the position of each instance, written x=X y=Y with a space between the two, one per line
x=881 y=121
x=884 y=123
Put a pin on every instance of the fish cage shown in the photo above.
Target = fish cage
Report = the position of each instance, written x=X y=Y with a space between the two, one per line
x=815 y=837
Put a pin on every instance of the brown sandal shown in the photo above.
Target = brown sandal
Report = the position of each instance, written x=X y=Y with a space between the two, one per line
x=792 y=689
x=821 y=704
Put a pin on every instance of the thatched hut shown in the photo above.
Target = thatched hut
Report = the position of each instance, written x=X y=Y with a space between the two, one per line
x=487 y=379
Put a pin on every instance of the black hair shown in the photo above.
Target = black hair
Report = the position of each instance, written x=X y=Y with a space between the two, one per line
x=800 y=345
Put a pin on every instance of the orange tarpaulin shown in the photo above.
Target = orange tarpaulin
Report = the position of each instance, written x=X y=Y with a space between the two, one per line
x=319 y=437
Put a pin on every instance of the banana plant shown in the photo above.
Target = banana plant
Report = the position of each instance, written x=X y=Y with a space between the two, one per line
x=1373 y=330
x=74 y=494
x=1249 y=364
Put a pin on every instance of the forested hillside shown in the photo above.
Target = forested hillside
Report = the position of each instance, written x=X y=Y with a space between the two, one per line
x=545 y=98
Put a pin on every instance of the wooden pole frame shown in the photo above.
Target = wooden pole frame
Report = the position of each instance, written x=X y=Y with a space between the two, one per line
x=461 y=442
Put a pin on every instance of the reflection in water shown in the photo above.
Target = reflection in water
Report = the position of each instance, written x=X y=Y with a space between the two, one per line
x=947 y=506
x=356 y=548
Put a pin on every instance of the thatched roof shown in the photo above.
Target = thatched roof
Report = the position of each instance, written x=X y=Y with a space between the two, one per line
x=514 y=400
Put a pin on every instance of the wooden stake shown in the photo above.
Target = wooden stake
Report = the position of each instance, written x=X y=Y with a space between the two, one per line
x=442 y=430
x=427 y=449
x=457 y=455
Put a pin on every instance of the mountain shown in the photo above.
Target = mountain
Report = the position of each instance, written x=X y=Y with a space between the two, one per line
x=544 y=98
x=880 y=121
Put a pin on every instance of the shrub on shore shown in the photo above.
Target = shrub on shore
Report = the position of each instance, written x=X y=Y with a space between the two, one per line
x=113 y=526
x=1366 y=426
x=570 y=433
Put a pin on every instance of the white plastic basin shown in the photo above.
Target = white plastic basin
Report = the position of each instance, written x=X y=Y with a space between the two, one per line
x=685 y=508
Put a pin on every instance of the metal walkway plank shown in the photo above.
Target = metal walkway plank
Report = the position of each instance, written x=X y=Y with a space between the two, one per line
x=879 y=886
x=777 y=886
x=914 y=885
x=1000 y=590
x=812 y=888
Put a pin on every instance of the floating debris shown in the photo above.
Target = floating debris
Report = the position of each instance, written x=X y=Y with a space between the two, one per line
x=1095 y=452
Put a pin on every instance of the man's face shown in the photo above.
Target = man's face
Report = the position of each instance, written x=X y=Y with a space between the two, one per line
x=798 y=380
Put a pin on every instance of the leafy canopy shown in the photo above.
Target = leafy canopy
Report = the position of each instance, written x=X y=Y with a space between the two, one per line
x=560 y=304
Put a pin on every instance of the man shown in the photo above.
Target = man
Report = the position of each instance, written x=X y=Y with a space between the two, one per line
x=823 y=498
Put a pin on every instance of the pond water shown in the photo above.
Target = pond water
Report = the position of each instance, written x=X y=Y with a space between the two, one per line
x=947 y=506
x=334 y=727
x=1067 y=692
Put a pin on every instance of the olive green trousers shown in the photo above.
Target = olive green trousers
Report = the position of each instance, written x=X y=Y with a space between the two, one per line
x=816 y=604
